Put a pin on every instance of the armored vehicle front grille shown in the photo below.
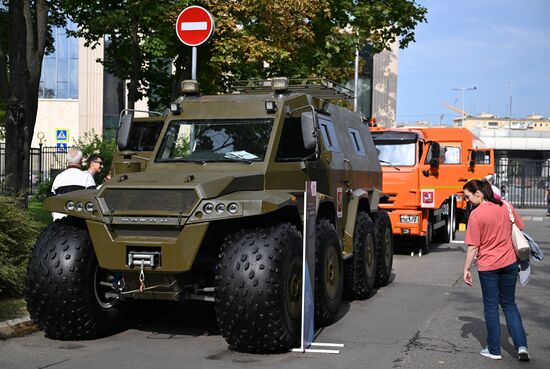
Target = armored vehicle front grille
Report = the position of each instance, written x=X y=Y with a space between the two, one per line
x=169 y=200
x=145 y=231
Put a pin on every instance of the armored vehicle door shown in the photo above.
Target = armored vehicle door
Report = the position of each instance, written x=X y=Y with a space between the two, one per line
x=295 y=163
x=338 y=167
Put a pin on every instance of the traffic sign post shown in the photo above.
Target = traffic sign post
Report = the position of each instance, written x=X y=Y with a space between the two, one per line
x=194 y=26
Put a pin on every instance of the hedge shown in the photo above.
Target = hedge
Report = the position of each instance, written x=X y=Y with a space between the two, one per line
x=18 y=232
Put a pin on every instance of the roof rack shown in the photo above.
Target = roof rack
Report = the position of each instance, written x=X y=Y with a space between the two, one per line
x=319 y=87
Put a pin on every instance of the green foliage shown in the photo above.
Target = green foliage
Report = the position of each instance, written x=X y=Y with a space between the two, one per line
x=43 y=190
x=251 y=39
x=93 y=143
x=18 y=233
x=41 y=216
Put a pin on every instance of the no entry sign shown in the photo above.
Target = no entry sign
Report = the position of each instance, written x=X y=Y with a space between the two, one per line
x=194 y=26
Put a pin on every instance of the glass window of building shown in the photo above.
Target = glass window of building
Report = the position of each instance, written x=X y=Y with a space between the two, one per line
x=59 y=79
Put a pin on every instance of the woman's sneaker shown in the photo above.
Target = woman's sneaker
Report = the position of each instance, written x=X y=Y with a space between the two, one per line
x=485 y=352
x=523 y=354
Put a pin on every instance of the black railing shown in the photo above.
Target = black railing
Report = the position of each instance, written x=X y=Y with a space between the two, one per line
x=44 y=162
x=524 y=180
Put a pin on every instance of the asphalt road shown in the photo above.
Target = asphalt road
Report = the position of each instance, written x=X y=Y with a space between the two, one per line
x=426 y=318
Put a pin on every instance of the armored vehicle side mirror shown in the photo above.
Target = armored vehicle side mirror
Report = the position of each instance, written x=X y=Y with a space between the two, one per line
x=123 y=133
x=308 y=130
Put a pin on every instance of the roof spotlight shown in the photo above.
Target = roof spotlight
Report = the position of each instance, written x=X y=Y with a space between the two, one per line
x=279 y=84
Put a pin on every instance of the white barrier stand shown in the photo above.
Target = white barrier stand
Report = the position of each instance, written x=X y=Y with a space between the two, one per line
x=308 y=274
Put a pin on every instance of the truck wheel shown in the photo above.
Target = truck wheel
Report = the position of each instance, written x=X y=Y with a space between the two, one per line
x=63 y=293
x=447 y=230
x=329 y=276
x=259 y=289
x=361 y=268
x=426 y=240
x=384 y=247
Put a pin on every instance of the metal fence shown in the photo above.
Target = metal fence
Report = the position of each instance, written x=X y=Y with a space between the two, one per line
x=524 y=181
x=45 y=162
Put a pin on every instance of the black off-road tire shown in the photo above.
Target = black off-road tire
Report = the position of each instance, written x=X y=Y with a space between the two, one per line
x=384 y=247
x=360 y=270
x=258 y=294
x=329 y=273
x=63 y=290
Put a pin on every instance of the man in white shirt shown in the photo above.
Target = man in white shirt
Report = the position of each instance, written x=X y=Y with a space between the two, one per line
x=71 y=179
x=496 y=192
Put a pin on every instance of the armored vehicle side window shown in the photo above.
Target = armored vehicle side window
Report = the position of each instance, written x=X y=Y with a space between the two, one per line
x=291 y=145
x=329 y=136
x=215 y=140
x=357 y=142
x=144 y=135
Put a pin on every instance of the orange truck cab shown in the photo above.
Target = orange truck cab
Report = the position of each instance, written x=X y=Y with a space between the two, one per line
x=424 y=170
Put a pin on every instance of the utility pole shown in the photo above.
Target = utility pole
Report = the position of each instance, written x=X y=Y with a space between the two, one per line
x=464 y=89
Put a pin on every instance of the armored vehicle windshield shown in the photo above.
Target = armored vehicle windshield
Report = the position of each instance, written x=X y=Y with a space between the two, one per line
x=215 y=140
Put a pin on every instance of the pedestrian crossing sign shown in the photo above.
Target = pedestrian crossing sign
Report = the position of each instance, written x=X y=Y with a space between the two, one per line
x=61 y=147
x=62 y=135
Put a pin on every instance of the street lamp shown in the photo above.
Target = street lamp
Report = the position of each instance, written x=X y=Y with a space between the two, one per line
x=464 y=89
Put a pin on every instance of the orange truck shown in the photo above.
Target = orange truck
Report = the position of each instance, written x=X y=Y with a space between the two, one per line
x=424 y=170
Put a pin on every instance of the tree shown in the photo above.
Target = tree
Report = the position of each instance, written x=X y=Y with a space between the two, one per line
x=130 y=31
x=253 y=39
x=25 y=39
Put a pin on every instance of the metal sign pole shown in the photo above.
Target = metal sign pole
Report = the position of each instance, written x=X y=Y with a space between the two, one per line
x=308 y=277
x=194 y=63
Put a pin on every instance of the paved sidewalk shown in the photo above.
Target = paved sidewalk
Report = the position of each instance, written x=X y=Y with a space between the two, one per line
x=21 y=326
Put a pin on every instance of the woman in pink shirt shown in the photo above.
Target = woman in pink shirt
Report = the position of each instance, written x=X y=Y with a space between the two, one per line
x=489 y=237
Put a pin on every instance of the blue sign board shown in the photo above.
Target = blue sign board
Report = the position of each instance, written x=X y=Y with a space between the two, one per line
x=61 y=147
x=62 y=135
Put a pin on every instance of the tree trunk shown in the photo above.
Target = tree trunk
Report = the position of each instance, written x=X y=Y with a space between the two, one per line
x=27 y=41
x=135 y=62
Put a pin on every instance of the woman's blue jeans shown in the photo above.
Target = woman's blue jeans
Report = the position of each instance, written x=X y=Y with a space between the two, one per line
x=499 y=287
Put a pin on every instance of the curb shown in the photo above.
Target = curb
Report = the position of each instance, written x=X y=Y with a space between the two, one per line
x=17 y=327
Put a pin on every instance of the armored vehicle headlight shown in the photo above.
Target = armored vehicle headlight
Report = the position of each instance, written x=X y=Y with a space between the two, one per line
x=89 y=206
x=208 y=208
x=279 y=84
x=69 y=205
x=233 y=208
x=79 y=206
x=220 y=208
x=409 y=218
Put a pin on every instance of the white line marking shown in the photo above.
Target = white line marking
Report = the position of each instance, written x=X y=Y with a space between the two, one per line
x=194 y=26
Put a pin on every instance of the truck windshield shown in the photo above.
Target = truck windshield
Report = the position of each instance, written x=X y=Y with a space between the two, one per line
x=396 y=153
x=218 y=140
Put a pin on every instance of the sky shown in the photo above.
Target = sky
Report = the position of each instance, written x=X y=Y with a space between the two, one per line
x=502 y=47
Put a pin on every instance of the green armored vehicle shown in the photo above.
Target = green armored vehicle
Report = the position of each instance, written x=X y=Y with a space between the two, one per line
x=207 y=203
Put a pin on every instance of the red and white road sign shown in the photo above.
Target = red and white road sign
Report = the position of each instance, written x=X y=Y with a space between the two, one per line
x=194 y=25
